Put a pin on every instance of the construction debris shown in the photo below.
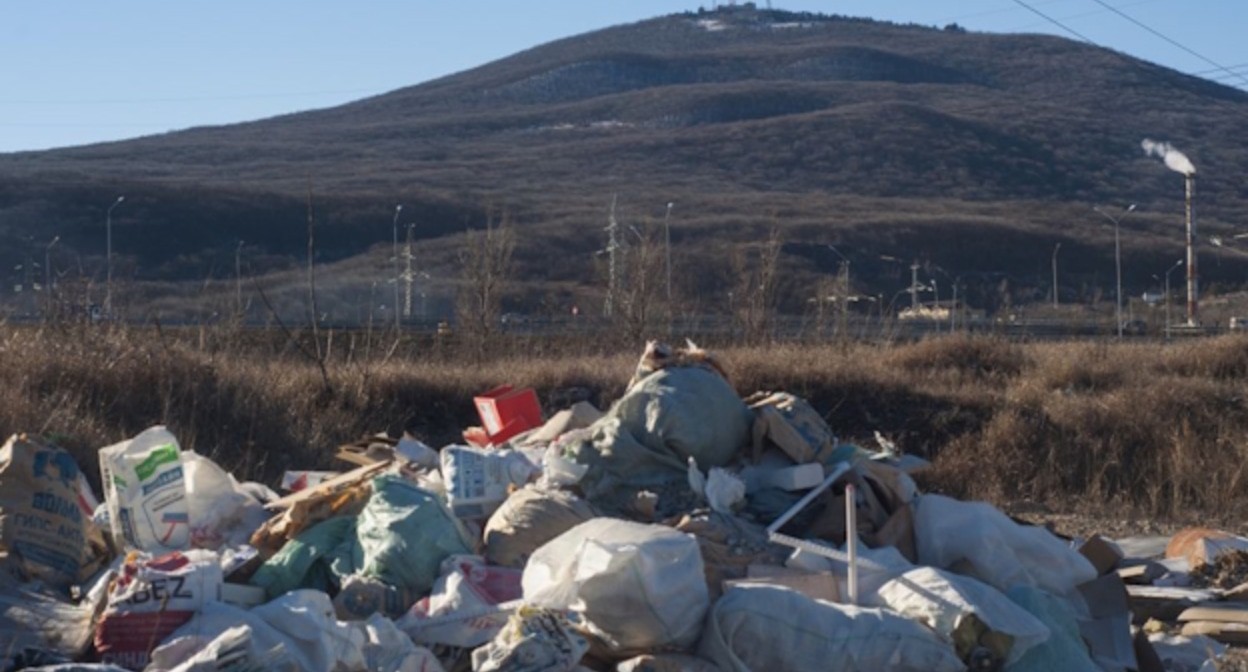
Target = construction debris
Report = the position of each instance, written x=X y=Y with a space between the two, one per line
x=683 y=529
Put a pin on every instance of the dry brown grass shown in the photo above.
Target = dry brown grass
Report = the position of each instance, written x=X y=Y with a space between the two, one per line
x=1161 y=430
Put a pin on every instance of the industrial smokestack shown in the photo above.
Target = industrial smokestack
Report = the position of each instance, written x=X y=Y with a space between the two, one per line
x=1175 y=160
x=1191 y=249
x=1178 y=162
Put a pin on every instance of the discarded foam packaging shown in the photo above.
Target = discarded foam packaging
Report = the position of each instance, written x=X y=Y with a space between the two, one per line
x=1142 y=573
x=1225 y=623
x=1102 y=553
x=1165 y=603
x=506 y=412
x=791 y=478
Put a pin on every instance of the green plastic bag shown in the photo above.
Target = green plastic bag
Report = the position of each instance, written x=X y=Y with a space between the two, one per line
x=405 y=533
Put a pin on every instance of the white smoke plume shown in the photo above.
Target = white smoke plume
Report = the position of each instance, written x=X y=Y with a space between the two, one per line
x=1175 y=160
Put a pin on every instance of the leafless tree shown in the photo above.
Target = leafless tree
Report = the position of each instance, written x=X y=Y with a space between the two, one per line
x=485 y=268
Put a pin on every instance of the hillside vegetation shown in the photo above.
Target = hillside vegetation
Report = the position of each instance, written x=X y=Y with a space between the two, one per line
x=1150 y=429
x=975 y=152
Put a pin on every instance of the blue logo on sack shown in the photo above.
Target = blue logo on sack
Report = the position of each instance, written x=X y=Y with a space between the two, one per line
x=56 y=464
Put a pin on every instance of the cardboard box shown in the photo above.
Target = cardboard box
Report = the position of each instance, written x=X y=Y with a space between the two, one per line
x=1102 y=553
x=506 y=412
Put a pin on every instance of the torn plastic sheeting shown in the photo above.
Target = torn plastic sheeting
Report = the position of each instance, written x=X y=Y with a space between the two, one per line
x=46 y=527
x=401 y=537
x=767 y=629
x=1065 y=649
x=301 y=622
x=30 y=619
x=468 y=586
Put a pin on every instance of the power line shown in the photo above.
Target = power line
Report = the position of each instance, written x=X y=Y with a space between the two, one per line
x=1193 y=52
x=1054 y=21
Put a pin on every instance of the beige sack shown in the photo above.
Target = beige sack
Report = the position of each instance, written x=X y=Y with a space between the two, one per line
x=527 y=520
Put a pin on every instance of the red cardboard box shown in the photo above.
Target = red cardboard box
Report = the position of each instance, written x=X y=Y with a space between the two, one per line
x=506 y=412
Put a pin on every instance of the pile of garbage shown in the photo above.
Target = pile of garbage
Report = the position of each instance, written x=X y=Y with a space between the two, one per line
x=684 y=529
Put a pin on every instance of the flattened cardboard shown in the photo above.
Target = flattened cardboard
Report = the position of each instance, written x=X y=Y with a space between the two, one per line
x=1102 y=553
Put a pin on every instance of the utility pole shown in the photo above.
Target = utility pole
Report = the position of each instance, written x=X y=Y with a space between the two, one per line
x=47 y=274
x=1055 y=249
x=394 y=259
x=108 y=286
x=1117 y=261
x=238 y=279
x=613 y=245
x=407 y=274
x=914 y=287
x=667 y=235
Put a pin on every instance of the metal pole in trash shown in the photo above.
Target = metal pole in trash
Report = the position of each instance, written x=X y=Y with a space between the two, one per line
x=851 y=541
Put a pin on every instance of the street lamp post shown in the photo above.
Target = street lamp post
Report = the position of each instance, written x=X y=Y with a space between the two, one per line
x=47 y=272
x=394 y=226
x=1055 y=249
x=108 y=259
x=1176 y=265
x=1117 y=261
x=238 y=278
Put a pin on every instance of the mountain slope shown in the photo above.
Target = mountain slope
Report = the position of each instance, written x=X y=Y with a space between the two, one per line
x=883 y=139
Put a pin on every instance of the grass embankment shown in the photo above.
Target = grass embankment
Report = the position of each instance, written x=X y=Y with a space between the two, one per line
x=1161 y=430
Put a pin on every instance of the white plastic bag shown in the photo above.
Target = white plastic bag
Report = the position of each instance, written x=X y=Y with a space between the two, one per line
x=161 y=498
x=638 y=587
x=145 y=489
x=301 y=622
x=943 y=599
x=1001 y=553
x=759 y=628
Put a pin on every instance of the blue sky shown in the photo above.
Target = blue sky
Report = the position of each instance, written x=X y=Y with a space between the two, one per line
x=81 y=71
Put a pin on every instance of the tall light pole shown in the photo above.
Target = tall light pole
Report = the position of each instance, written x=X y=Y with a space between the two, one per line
x=667 y=235
x=1055 y=249
x=1117 y=260
x=108 y=259
x=394 y=226
x=1171 y=270
x=238 y=278
x=47 y=272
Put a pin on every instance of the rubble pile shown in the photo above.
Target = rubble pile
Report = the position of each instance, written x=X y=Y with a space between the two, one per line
x=684 y=529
